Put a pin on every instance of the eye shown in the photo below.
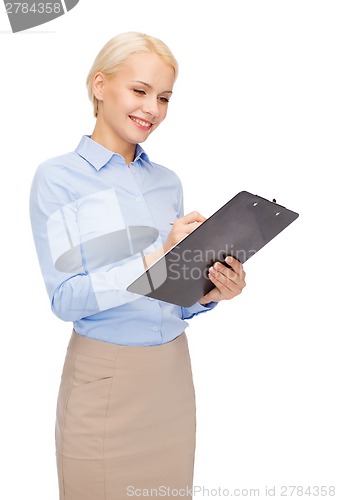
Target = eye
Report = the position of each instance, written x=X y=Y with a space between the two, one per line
x=139 y=91
x=164 y=100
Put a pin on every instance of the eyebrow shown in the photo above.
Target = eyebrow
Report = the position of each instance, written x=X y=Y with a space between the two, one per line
x=150 y=87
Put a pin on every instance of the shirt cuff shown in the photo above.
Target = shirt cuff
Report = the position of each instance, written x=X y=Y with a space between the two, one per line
x=197 y=308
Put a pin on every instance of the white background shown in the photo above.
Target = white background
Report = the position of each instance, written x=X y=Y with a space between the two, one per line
x=254 y=108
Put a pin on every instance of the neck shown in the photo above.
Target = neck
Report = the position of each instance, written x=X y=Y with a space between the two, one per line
x=106 y=138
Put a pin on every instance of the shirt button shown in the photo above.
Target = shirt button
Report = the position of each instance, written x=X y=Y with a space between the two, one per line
x=154 y=328
x=138 y=198
x=133 y=171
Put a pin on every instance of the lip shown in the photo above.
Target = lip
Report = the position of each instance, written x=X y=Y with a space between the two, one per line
x=141 y=122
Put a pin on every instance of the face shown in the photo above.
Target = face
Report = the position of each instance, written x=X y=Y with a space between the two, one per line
x=134 y=102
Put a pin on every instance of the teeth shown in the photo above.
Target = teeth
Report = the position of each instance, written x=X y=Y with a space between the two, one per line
x=141 y=122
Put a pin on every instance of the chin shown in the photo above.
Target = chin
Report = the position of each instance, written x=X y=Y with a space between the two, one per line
x=139 y=139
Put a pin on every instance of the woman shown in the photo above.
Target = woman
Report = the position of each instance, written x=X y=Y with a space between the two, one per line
x=126 y=410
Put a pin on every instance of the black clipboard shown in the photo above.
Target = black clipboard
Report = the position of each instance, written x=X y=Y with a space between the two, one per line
x=240 y=228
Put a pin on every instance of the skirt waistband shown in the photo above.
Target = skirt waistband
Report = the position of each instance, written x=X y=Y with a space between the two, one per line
x=105 y=350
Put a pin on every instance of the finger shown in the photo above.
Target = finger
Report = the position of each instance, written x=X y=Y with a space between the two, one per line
x=223 y=292
x=227 y=277
x=188 y=228
x=193 y=217
x=192 y=226
x=226 y=287
x=236 y=266
x=220 y=279
x=226 y=271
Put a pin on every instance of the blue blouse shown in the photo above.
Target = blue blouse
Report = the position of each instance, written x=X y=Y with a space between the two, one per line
x=93 y=218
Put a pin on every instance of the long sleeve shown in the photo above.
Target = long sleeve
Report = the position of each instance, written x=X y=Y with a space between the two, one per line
x=75 y=291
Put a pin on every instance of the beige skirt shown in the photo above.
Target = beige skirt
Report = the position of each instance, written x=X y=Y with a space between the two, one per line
x=125 y=422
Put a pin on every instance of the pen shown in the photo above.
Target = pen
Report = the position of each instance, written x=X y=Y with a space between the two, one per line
x=171 y=223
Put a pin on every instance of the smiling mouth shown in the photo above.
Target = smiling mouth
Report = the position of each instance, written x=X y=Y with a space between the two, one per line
x=143 y=124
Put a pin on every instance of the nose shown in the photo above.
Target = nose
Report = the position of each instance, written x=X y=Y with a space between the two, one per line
x=150 y=107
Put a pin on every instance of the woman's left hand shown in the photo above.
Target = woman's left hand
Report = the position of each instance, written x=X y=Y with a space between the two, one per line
x=229 y=282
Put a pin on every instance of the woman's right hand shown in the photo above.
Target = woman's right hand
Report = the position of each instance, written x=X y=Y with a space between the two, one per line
x=182 y=227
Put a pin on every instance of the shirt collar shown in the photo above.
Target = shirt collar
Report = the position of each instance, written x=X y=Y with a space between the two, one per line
x=98 y=156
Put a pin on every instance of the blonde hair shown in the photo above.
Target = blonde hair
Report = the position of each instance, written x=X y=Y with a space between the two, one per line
x=118 y=49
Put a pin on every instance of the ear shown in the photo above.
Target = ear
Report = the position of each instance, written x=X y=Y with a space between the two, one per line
x=98 y=86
